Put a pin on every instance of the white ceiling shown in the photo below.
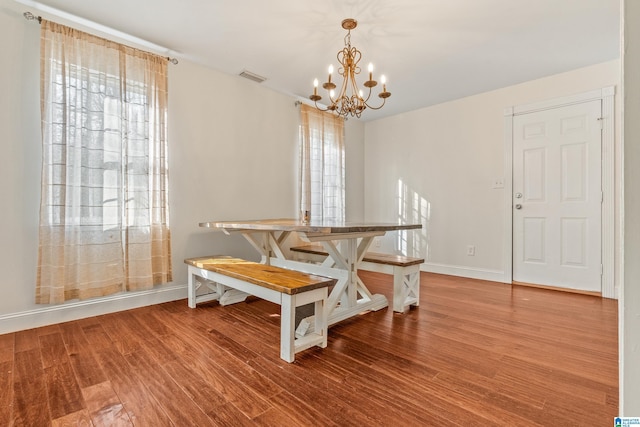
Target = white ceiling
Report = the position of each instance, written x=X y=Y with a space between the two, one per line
x=431 y=51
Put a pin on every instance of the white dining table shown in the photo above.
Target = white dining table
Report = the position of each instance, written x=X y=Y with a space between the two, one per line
x=345 y=242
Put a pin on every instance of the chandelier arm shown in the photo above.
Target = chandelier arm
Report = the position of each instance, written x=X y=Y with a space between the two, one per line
x=343 y=59
x=367 y=98
x=343 y=88
x=321 y=109
x=355 y=100
x=379 y=107
x=354 y=86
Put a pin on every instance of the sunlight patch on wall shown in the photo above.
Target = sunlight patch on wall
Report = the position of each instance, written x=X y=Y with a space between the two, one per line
x=412 y=208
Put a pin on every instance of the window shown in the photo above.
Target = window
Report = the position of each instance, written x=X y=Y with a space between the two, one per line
x=104 y=222
x=322 y=165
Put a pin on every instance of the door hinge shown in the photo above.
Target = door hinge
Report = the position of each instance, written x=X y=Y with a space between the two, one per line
x=601 y=269
x=600 y=120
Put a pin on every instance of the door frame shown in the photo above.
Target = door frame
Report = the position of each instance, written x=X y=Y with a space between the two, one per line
x=606 y=96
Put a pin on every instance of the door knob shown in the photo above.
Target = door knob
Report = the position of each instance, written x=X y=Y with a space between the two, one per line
x=518 y=206
x=518 y=195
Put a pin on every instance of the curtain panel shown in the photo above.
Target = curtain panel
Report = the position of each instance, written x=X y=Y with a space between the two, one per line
x=104 y=219
x=322 y=165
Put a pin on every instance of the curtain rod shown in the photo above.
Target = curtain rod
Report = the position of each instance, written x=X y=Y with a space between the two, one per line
x=31 y=17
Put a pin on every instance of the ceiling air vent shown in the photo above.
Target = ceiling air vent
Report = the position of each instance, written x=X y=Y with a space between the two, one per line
x=252 y=76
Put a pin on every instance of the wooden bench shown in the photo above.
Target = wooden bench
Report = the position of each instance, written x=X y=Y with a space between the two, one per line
x=405 y=271
x=232 y=280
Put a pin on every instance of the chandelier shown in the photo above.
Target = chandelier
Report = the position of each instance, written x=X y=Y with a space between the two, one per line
x=350 y=100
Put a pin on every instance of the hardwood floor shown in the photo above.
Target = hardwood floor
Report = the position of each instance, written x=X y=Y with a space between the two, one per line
x=473 y=354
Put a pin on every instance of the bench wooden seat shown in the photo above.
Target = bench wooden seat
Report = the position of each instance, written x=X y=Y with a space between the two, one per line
x=231 y=280
x=405 y=271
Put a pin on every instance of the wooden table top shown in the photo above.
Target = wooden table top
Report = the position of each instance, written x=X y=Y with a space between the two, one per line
x=288 y=224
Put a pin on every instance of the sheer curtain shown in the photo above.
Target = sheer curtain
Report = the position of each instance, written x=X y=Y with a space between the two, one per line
x=322 y=165
x=104 y=220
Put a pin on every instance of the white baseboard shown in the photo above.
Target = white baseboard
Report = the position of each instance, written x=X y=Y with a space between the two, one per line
x=53 y=314
x=470 y=272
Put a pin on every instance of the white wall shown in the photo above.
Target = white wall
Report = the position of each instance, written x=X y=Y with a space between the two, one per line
x=444 y=159
x=354 y=164
x=21 y=160
x=233 y=154
x=629 y=306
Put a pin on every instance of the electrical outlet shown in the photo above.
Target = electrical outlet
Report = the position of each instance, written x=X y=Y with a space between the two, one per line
x=498 y=183
x=471 y=250
x=376 y=242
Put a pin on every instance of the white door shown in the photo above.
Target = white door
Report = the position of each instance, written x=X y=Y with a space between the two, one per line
x=557 y=197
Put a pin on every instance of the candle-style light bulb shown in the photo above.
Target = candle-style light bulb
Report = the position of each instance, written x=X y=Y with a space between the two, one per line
x=383 y=80
x=332 y=93
x=330 y=72
x=361 y=94
x=370 y=71
x=315 y=86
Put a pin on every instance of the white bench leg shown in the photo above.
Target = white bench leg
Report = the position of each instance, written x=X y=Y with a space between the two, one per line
x=321 y=315
x=413 y=283
x=192 y=287
x=289 y=344
x=287 y=325
x=406 y=288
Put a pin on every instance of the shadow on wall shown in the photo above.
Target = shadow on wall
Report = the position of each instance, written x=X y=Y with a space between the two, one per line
x=412 y=208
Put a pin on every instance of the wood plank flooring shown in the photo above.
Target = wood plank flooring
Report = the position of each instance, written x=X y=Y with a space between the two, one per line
x=473 y=354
